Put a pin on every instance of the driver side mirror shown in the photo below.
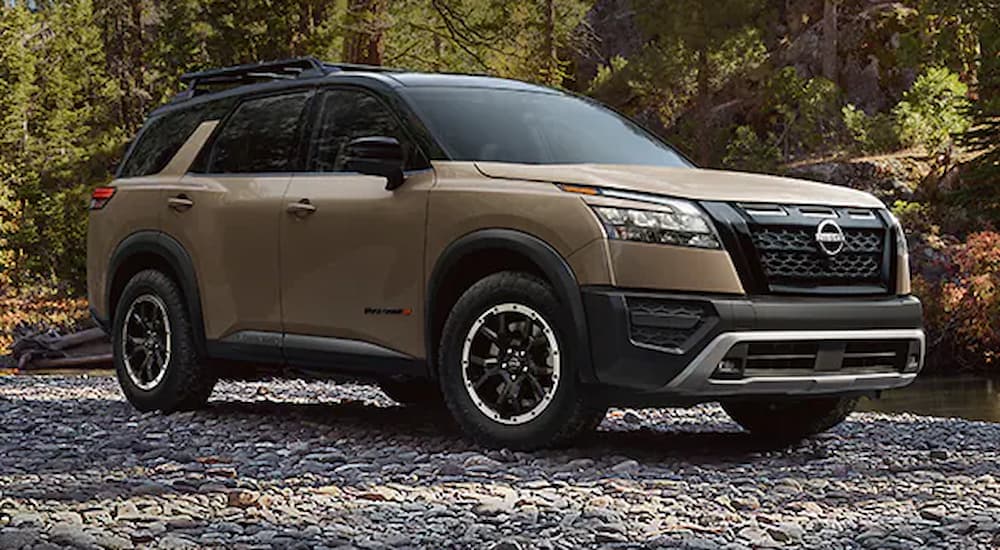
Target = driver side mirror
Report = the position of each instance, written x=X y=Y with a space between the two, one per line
x=377 y=156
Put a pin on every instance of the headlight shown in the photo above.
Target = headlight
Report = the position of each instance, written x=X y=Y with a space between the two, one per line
x=902 y=248
x=675 y=222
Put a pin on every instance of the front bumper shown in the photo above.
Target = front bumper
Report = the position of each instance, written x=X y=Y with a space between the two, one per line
x=665 y=348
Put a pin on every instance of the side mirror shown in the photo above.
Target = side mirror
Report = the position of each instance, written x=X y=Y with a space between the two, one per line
x=377 y=156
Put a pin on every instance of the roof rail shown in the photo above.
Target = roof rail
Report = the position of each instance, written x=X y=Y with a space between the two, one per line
x=299 y=67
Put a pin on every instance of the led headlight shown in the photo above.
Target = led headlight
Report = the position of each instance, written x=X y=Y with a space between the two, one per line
x=902 y=248
x=674 y=222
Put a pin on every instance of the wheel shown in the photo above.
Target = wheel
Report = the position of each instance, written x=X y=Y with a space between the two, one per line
x=153 y=347
x=411 y=392
x=790 y=419
x=507 y=366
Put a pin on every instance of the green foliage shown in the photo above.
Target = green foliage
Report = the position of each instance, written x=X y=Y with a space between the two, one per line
x=805 y=111
x=696 y=48
x=983 y=137
x=509 y=38
x=54 y=138
x=748 y=152
x=870 y=133
x=796 y=116
x=932 y=110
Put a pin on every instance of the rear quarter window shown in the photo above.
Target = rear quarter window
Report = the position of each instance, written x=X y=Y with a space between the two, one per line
x=163 y=135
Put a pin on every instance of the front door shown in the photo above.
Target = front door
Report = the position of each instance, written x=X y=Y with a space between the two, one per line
x=351 y=251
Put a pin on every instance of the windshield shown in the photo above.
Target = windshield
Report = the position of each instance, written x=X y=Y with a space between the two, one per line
x=486 y=124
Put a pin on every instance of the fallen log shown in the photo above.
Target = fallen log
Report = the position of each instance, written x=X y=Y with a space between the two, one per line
x=48 y=349
x=67 y=362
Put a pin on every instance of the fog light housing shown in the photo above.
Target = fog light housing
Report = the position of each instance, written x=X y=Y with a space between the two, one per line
x=729 y=368
x=912 y=363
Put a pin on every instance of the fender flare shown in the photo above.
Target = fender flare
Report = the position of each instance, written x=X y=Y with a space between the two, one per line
x=543 y=255
x=177 y=257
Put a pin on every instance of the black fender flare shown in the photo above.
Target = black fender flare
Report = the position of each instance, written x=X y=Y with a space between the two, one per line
x=177 y=257
x=543 y=255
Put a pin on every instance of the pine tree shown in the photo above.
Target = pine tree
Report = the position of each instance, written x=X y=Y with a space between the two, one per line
x=984 y=136
x=702 y=32
x=17 y=87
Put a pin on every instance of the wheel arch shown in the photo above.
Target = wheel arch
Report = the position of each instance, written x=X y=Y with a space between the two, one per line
x=155 y=250
x=461 y=264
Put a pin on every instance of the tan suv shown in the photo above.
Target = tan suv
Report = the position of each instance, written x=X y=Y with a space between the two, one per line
x=524 y=255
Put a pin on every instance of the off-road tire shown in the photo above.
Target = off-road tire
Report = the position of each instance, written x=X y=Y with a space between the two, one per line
x=188 y=383
x=568 y=414
x=790 y=420
x=412 y=392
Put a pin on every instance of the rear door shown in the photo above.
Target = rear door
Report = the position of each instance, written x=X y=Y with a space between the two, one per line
x=352 y=264
x=225 y=213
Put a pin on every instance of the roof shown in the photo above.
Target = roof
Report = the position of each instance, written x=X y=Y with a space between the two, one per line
x=414 y=79
x=298 y=69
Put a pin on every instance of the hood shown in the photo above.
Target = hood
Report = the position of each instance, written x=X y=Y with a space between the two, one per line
x=688 y=183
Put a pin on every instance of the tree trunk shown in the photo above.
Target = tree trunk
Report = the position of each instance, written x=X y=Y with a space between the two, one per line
x=829 y=47
x=704 y=103
x=551 y=56
x=138 y=67
x=365 y=23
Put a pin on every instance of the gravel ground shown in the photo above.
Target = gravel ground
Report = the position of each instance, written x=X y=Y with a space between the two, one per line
x=289 y=464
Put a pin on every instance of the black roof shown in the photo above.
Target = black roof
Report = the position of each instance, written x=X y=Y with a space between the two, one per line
x=297 y=69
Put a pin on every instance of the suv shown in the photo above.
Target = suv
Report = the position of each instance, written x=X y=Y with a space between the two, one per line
x=523 y=255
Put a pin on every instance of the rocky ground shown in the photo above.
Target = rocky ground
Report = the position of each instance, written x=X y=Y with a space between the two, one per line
x=291 y=464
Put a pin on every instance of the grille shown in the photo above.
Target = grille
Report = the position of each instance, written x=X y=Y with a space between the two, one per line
x=666 y=324
x=661 y=337
x=664 y=308
x=762 y=359
x=791 y=256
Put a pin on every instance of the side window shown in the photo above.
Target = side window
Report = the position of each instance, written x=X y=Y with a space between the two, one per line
x=351 y=114
x=163 y=135
x=260 y=136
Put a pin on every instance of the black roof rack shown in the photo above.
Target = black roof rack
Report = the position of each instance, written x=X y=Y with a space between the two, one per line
x=286 y=69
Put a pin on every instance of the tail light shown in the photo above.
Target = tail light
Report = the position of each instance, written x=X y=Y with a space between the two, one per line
x=100 y=197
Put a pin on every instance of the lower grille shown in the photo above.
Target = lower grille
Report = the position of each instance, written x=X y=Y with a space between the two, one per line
x=666 y=324
x=764 y=359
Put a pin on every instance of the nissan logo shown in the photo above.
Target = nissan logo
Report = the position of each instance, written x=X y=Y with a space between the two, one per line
x=830 y=237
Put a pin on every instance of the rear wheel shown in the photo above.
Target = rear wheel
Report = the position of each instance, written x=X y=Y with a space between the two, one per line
x=507 y=368
x=790 y=419
x=154 y=350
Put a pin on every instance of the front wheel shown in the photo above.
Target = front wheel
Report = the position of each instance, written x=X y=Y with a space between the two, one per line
x=507 y=368
x=789 y=419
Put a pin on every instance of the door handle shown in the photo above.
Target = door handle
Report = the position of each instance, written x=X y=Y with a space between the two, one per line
x=301 y=209
x=180 y=203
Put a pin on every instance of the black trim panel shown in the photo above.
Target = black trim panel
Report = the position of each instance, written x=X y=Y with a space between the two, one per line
x=316 y=354
x=619 y=362
x=250 y=346
x=341 y=355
